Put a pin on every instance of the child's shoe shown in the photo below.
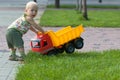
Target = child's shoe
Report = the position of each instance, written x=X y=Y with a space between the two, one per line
x=13 y=57
x=21 y=58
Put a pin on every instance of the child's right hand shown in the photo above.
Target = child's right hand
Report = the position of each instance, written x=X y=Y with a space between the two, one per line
x=39 y=33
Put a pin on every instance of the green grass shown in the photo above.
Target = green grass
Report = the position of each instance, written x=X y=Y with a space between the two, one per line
x=88 y=6
x=77 y=66
x=97 y=18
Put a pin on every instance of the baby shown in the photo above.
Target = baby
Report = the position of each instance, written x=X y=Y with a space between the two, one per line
x=19 y=27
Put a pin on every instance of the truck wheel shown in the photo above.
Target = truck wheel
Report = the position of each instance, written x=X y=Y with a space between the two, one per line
x=60 y=50
x=69 y=48
x=52 y=52
x=78 y=43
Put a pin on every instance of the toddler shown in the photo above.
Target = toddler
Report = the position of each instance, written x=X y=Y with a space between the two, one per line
x=19 y=27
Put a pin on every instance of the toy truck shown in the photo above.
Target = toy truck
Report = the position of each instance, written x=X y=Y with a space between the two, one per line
x=65 y=39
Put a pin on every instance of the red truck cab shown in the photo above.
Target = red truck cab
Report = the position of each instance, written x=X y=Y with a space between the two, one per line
x=41 y=43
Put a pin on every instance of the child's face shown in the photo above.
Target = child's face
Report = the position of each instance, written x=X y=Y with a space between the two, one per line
x=32 y=11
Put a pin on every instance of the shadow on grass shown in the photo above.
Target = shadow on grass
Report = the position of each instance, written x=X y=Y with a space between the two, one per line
x=80 y=54
x=32 y=56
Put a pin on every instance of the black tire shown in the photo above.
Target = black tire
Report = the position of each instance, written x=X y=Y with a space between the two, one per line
x=78 y=43
x=60 y=50
x=69 y=48
x=52 y=52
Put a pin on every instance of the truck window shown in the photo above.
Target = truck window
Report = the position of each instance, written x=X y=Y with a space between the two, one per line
x=36 y=43
x=44 y=43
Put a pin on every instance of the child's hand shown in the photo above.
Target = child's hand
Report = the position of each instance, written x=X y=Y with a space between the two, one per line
x=39 y=33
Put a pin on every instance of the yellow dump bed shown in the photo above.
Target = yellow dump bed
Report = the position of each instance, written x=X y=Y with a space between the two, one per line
x=65 y=35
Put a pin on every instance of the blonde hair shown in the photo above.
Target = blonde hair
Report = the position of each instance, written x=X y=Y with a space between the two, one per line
x=31 y=3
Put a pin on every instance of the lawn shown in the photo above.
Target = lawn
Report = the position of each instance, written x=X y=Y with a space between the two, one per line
x=97 y=18
x=77 y=66
x=67 y=6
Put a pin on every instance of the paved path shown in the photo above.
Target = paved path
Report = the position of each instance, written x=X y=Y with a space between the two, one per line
x=97 y=39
